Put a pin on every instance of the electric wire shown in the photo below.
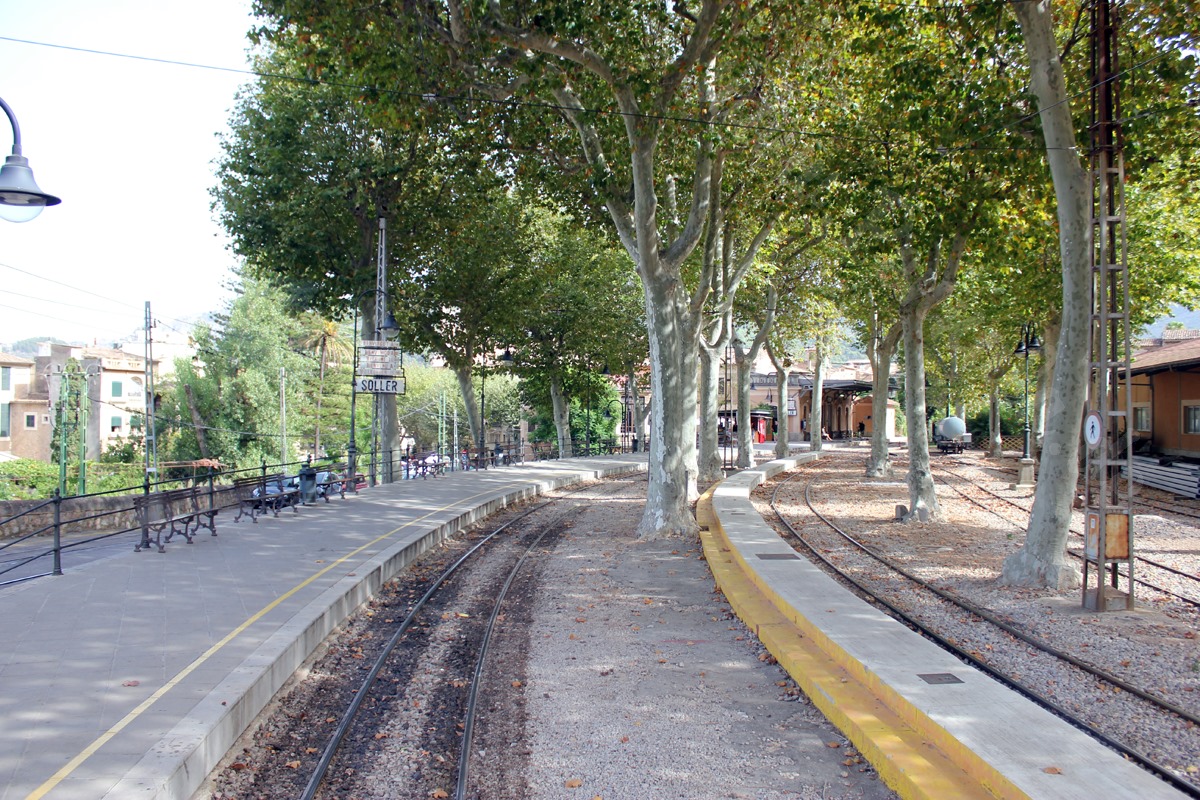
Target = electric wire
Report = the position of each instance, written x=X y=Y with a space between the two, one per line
x=125 y=303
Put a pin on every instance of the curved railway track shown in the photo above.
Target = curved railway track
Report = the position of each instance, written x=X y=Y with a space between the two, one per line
x=1005 y=654
x=442 y=645
x=1190 y=580
x=419 y=695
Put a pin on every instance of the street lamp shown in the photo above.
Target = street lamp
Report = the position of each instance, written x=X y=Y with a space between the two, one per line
x=387 y=327
x=626 y=419
x=20 y=198
x=1029 y=344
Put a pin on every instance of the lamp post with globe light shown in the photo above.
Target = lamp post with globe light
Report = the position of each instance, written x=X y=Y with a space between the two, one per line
x=20 y=198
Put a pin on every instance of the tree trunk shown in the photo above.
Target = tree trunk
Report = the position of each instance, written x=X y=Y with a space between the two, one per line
x=816 y=425
x=995 y=438
x=463 y=374
x=743 y=365
x=562 y=417
x=1042 y=560
x=320 y=395
x=711 y=466
x=197 y=421
x=921 y=494
x=672 y=467
x=880 y=354
x=781 y=390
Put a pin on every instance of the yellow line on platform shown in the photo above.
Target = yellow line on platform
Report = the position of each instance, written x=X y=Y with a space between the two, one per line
x=141 y=708
x=912 y=754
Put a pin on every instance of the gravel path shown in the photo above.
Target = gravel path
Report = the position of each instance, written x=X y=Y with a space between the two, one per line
x=642 y=685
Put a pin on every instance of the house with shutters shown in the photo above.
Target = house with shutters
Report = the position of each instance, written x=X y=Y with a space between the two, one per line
x=115 y=390
x=25 y=427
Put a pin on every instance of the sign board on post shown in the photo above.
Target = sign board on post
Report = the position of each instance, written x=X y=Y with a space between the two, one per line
x=379 y=385
x=379 y=368
x=380 y=359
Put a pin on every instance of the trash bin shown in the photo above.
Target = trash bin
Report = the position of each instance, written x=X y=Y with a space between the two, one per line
x=308 y=484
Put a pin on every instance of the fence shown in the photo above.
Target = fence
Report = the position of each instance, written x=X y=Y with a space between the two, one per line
x=39 y=532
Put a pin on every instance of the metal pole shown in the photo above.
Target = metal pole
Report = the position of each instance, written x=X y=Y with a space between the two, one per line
x=381 y=309
x=83 y=415
x=352 y=450
x=64 y=391
x=57 y=534
x=148 y=421
x=1025 y=447
x=479 y=463
x=282 y=419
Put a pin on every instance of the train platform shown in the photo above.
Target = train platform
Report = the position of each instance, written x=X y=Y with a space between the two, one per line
x=933 y=726
x=131 y=676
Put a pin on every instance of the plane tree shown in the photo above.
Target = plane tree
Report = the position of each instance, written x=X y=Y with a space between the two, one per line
x=1160 y=33
x=305 y=175
x=619 y=78
x=917 y=83
x=582 y=316
x=461 y=294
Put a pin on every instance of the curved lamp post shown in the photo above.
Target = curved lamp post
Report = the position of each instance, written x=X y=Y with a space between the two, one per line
x=387 y=327
x=20 y=198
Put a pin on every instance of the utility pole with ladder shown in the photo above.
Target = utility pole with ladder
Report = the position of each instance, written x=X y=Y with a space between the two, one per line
x=1107 y=430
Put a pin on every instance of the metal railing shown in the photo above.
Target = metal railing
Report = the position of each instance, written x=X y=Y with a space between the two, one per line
x=61 y=530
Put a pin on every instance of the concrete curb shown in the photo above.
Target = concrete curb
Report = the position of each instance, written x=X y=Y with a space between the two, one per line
x=912 y=754
x=905 y=702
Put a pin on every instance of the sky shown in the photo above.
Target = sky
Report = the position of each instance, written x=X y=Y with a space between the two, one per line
x=129 y=146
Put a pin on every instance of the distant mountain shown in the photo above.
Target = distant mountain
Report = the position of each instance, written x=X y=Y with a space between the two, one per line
x=1190 y=319
x=28 y=348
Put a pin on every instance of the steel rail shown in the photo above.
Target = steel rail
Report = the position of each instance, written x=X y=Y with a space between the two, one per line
x=464 y=753
x=1140 y=559
x=1158 y=770
x=335 y=741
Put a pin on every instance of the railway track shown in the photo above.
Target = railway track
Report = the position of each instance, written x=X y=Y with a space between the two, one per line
x=1187 y=584
x=424 y=688
x=1137 y=720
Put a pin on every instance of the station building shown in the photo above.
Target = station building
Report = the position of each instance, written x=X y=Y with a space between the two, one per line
x=846 y=403
x=1165 y=382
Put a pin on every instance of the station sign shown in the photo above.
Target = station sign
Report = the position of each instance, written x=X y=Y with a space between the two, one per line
x=365 y=385
x=380 y=359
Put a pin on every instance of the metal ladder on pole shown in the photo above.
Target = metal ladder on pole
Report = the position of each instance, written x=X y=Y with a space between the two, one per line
x=1108 y=426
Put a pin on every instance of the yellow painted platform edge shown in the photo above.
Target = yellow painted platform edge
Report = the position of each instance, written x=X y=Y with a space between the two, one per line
x=913 y=755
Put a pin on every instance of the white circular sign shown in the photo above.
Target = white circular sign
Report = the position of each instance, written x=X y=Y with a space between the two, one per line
x=1093 y=428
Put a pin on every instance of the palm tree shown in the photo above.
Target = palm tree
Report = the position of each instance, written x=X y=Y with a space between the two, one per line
x=323 y=337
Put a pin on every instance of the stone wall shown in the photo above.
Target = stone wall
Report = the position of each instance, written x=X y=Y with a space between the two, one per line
x=78 y=514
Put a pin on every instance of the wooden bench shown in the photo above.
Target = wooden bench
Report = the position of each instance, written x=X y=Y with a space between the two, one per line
x=175 y=511
x=333 y=481
x=259 y=494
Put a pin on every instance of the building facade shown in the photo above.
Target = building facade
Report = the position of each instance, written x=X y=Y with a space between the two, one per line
x=1165 y=383
x=25 y=427
x=115 y=391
